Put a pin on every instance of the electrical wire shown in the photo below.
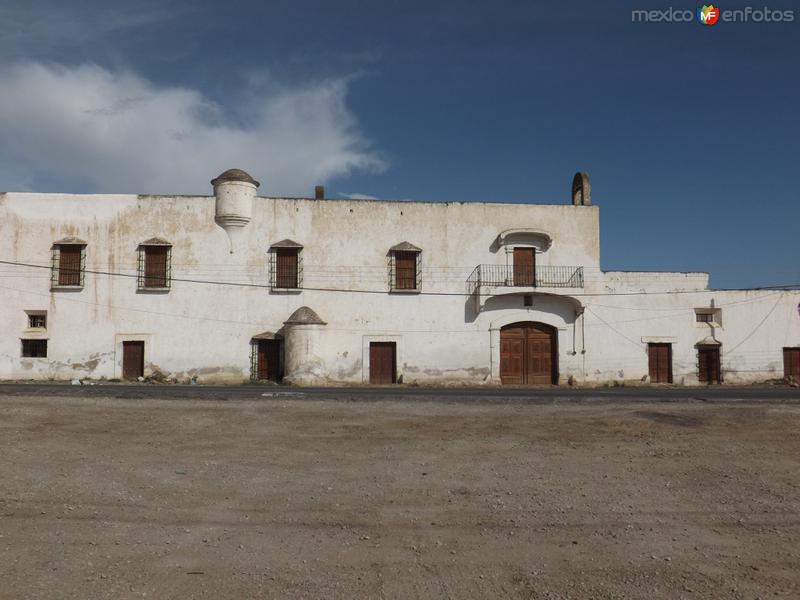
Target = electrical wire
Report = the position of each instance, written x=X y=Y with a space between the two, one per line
x=366 y=291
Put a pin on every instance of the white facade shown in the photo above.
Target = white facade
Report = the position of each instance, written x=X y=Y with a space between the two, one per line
x=223 y=297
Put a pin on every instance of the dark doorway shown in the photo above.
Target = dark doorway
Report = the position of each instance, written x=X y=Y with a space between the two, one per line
x=132 y=360
x=791 y=363
x=525 y=266
x=382 y=362
x=709 y=370
x=269 y=366
x=659 y=357
x=528 y=354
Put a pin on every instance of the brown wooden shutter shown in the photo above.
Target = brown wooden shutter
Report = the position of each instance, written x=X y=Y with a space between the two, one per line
x=155 y=266
x=286 y=265
x=69 y=264
x=405 y=270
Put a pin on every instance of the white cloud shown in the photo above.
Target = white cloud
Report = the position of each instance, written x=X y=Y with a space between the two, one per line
x=91 y=129
x=357 y=196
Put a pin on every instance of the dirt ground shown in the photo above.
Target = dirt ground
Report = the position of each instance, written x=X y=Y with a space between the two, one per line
x=109 y=498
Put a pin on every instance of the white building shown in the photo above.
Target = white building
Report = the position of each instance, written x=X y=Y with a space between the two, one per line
x=230 y=287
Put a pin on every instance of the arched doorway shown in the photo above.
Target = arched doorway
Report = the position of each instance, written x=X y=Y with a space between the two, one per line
x=528 y=354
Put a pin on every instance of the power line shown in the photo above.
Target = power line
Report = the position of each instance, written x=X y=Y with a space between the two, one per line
x=420 y=292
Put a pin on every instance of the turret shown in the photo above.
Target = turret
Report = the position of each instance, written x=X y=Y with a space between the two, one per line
x=234 y=191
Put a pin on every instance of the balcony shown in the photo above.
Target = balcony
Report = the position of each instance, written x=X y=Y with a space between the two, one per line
x=523 y=277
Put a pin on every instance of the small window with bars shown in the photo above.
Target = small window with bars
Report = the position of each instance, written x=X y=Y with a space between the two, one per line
x=708 y=316
x=405 y=273
x=34 y=348
x=68 y=265
x=155 y=267
x=286 y=267
x=37 y=319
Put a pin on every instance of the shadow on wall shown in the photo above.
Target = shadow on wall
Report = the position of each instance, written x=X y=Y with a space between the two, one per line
x=562 y=306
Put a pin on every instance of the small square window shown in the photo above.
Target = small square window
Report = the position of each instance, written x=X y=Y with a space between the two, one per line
x=37 y=320
x=34 y=348
x=528 y=300
x=708 y=316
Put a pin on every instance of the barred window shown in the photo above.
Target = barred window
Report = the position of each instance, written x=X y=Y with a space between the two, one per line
x=155 y=265
x=286 y=265
x=68 y=264
x=34 y=348
x=405 y=273
x=37 y=320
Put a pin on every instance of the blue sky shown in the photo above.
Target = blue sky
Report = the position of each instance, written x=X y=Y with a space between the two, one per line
x=690 y=133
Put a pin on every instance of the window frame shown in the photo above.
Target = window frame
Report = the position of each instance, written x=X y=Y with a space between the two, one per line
x=714 y=317
x=143 y=279
x=398 y=283
x=281 y=282
x=37 y=314
x=42 y=342
x=58 y=273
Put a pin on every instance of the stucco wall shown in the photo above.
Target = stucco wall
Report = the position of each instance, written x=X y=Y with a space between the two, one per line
x=204 y=330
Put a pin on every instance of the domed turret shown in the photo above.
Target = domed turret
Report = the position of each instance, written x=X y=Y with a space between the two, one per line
x=234 y=191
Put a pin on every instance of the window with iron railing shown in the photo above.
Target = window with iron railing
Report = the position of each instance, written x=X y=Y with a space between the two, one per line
x=34 y=348
x=67 y=265
x=405 y=272
x=286 y=266
x=155 y=266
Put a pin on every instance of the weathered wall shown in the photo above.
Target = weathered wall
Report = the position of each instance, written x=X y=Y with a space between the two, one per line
x=204 y=331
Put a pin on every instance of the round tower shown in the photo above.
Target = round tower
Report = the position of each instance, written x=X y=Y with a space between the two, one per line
x=234 y=191
x=303 y=363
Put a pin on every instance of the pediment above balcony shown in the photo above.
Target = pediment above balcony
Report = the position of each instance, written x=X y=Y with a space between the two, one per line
x=541 y=240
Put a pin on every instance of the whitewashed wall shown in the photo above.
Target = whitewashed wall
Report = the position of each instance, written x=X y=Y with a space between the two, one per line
x=204 y=331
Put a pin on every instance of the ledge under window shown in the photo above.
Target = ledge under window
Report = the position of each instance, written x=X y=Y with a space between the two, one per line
x=404 y=291
x=66 y=288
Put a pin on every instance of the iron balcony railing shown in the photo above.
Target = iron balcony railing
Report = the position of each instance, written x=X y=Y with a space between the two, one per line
x=524 y=276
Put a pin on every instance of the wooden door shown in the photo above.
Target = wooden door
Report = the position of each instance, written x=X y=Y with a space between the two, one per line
x=512 y=355
x=539 y=359
x=528 y=354
x=791 y=363
x=382 y=367
x=709 y=364
x=132 y=360
x=269 y=360
x=659 y=357
x=524 y=266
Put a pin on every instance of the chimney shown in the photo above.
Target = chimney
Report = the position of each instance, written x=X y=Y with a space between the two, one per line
x=319 y=192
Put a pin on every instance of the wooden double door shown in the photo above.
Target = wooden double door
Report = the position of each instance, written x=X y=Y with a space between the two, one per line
x=528 y=354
